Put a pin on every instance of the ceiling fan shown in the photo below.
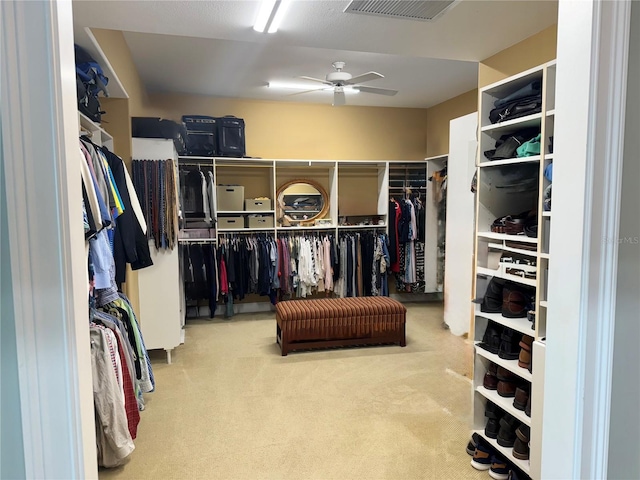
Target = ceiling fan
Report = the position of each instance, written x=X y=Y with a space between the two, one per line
x=340 y=79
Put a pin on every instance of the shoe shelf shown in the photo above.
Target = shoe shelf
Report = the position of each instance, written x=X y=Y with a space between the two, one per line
x=501 y=273
x=505 y=403
x=509 y=161
x=521 y=325
x=504 y=248
x=507 y=452
x=516 y=186
x=511 y=365
x=506 y=237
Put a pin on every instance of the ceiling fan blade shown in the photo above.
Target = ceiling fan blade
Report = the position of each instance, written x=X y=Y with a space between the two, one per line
x=306 y=91
x=365 y=77
x=338 y=98
x=316 y=80
x=379 y=91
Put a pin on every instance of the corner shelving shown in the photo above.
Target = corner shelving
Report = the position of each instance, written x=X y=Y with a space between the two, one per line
x=517 y=185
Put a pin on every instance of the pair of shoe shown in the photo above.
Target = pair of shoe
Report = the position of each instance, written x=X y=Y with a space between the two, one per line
x=485 y=458
x=502 y=341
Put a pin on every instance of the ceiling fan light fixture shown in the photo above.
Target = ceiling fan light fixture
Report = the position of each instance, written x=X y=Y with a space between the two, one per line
x=270 y=15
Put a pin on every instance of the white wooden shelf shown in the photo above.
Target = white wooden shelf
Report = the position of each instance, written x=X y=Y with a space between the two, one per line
x=511 y=365
x=197 y=240
x=513 y=125
x=360 y=227
x=507 y=452
x=244 y=212
x=84 y=37
x=548 y=156
x=521 y=325
x=499 y=246
x=240 y=229
x=544 y=255
x=504 y=236
x=510 y=161
x=98 y=134
x=505 y=403
x=551 y=113
x=543 y=303
x=310 y=227
x=501 y=273
x=546 y=214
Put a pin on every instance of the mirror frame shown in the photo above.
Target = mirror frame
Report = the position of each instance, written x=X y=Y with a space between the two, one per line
x=314 y=184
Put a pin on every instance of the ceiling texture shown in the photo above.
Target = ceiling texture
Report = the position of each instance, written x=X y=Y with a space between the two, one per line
x=210 y=47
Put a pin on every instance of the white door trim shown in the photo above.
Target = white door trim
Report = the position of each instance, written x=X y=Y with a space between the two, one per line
x=48 y=258
x=588 y=145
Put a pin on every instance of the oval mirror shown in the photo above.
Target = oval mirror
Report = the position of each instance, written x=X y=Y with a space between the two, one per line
x=301 y=202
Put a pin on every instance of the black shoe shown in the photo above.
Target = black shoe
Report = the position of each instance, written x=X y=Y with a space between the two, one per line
x=491 y=338
x=491 y=410
x=473 y=442
x=509 y=344
x=492 y=428
x=506 y=437
x=509 y=422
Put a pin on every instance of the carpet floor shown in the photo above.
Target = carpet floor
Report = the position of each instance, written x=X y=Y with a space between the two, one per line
x=230 y=407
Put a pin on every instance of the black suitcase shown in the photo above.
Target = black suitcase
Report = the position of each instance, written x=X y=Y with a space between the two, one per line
x=201 y=135
x=230 y=135
x=155 y=127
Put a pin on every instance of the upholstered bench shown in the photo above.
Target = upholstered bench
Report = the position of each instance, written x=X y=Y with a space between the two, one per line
x=339 y=322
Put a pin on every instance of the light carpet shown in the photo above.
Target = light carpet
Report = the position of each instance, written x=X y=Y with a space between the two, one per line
x=230 y=407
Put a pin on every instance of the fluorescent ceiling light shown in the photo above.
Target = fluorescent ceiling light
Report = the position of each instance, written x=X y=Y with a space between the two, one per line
x=306 y=86
x=270 y=15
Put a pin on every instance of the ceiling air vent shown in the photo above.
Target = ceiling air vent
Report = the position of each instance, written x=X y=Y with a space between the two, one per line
x=425 y=10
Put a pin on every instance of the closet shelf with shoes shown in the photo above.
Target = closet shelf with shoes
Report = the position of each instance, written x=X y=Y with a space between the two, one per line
x=521 y=325
x=502 y=272
x=513 y=222
x=506 y=451
x=505 y=403
x=511 y=365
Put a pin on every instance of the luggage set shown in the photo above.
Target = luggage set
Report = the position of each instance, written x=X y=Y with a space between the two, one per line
x=197 y=135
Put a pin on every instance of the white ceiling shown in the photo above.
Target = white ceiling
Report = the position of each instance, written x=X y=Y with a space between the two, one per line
x=210 y=48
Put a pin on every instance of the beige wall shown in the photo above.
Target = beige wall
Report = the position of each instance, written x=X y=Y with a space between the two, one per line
x=310 y=131
x=529 y=53
x=439 y=116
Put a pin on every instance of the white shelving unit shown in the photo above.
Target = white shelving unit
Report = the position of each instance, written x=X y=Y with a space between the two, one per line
x=263 y=177
x=160 y=288
x=499 y=195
